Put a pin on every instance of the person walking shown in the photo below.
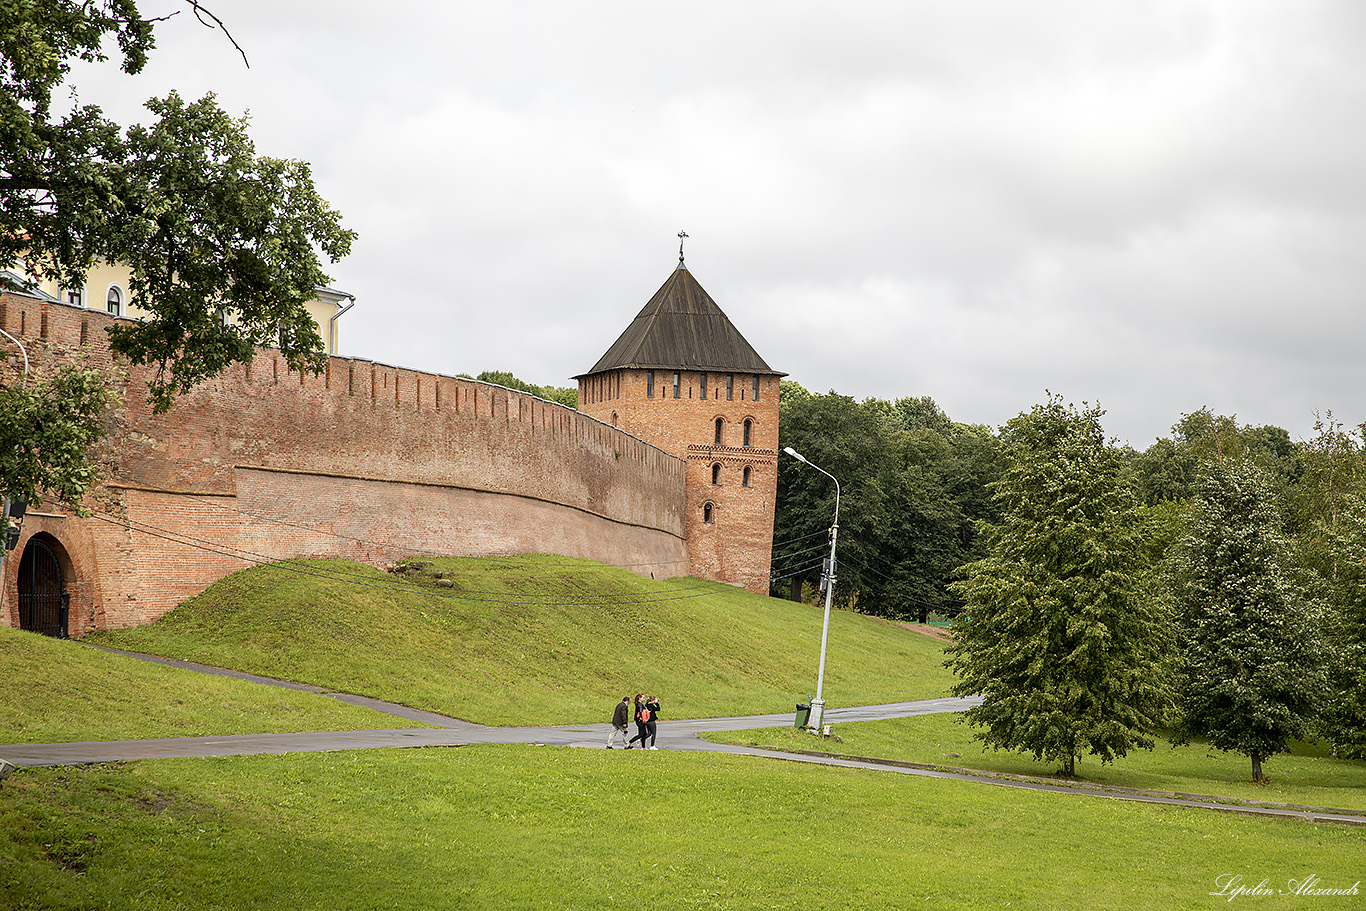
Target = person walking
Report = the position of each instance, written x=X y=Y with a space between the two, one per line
x=620 y=717
x=640 y=723
x=651 y=713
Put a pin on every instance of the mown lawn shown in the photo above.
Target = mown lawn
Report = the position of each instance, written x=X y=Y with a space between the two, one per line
x=531 y=828
x=61 y=691
x=536 y=640
x=1306 y=776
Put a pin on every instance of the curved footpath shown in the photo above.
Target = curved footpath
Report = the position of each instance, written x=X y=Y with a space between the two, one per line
x=673 y=735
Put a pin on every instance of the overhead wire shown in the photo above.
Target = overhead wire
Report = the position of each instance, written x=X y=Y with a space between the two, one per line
x=409 y=549
x=355 y=578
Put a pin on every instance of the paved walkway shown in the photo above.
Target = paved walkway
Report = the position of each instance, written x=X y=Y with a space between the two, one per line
x=674 y=734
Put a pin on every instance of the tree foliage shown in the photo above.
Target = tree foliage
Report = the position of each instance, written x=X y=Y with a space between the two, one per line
x=1252 y=672
x=1060 y=641
x=223 y=244
x=1167 y=470
x=45 y=437
x=1330 y=545
x=563 y=395
x=913 y=487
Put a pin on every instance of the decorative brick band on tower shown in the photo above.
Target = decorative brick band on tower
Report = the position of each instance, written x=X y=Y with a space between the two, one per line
x=683 y=378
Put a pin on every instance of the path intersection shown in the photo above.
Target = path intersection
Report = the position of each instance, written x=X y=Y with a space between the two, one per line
x=674 y=734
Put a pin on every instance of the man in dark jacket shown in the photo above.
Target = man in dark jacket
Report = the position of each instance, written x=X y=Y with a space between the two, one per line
x=620 y=718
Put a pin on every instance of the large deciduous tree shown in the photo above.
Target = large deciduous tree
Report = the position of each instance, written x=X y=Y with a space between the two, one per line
x=223 y=244
x=1252 y=673
x=1061 y=643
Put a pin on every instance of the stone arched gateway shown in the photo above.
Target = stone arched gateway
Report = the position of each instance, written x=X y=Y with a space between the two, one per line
x=44 y=602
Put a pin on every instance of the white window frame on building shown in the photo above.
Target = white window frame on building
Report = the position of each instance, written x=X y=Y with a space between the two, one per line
x=113 y=300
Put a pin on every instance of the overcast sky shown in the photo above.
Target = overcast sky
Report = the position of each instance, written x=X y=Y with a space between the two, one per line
x=1158 y=206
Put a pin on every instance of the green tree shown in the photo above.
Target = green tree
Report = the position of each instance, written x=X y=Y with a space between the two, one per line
x=1060 y=642
x=1167 y=470
x=850 y=440
x=223 y=245
x=563 y=395
x=914 y=485
x=1330 y=543
x=1252 y=671
x=48 y=428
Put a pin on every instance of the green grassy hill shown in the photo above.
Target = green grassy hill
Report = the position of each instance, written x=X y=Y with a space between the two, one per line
x=536 y=640
x=58 y=691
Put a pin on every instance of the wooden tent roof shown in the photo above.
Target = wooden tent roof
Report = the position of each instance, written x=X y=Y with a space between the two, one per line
x=682 y=328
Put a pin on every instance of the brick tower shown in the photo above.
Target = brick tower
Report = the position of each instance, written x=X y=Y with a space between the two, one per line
x=683 y=378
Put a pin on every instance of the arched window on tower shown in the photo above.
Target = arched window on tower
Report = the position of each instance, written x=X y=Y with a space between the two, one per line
x=716 y=475
x=745 y=478
x=707 y=513
x=114 y=300
x=719 y=423
x=748 y=425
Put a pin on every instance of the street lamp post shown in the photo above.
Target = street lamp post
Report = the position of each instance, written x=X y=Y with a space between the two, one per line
x=818 y=704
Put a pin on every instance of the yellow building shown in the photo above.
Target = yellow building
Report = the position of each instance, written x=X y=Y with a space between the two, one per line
x=107 y=288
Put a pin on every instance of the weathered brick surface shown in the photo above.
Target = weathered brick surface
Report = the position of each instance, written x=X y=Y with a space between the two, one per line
x=736 y=545
x=366 y=461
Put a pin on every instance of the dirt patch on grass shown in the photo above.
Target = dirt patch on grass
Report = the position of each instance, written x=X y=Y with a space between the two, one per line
x=934 y=632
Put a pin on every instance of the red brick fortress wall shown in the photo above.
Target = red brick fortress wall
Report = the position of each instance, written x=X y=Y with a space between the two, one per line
x=365 y=461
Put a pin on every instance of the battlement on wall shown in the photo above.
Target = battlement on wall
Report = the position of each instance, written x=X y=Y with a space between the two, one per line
x=365 y=419
x=65 y=329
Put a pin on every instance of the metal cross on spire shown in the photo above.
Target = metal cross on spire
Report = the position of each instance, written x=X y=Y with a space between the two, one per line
x=681 y=235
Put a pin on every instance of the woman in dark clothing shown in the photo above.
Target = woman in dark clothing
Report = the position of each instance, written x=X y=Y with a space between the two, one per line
x=651 y=722
x=640 y=723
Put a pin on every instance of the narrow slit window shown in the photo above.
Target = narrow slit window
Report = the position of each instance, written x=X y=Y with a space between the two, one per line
x=719 y=422
x=730 y=387
x=745 y=478
x=702 y=386
x=748 y=425
x=678 y=383
x=755 y=394
x=707 y=513
x=649 y=384
x=716 y=475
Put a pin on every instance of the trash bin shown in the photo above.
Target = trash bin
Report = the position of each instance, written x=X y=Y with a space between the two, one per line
x=803 y=716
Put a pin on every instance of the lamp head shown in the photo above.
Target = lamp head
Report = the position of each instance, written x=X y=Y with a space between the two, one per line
x=795 y=454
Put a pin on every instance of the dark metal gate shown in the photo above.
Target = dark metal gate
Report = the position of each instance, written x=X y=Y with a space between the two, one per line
x=42 y=600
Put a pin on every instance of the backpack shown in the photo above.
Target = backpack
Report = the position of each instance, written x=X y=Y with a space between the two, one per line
x=645 y=715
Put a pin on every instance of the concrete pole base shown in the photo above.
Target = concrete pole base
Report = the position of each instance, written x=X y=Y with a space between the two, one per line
x=817 y=715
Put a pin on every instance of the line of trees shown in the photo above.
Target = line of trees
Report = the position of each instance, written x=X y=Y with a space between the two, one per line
x=915 y=484
x=1213 y=584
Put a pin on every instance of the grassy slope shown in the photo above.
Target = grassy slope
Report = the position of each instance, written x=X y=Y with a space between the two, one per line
x=63 y=691
x=528 y=827
x=538 y=640
x=1307 y=776
x=535 y=827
